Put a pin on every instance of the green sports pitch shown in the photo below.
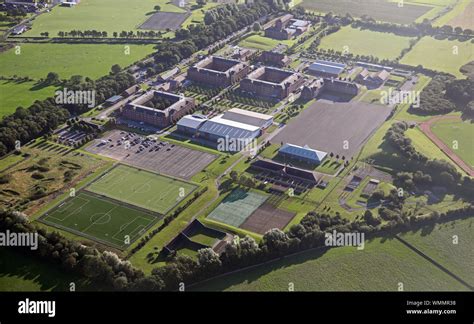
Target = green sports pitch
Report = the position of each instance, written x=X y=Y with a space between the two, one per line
x=100 y=219
x=142 y=188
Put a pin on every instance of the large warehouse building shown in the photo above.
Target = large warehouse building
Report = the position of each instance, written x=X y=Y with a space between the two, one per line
x=249 y=117
x=218 y=71
x=235 y=125
x=158 y=108
x=326 y=69
x=272 y=83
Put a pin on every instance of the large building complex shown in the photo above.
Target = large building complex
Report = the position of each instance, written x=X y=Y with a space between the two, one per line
x=271 y=83
x=336 y=86
x=275 y=58
x=374 y=79
x=286 y=27
x=218 y=71
x=158 y=108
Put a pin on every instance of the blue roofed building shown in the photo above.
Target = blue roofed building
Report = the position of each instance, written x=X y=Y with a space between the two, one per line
x=327 y=69
x=301 y=153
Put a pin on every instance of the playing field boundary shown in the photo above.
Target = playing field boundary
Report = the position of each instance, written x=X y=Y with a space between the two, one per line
x=194 y=186
x=156 y=216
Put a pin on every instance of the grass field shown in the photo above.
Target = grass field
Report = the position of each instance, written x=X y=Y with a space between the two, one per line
x=92 y=60
x=142 y=188
x=15 y=94
x=24 y=273
x=100 y=219
x=366 y=42
x=442 y=56
x=237 y=207
x=437 y=242
x=456 y=130
x=100 y=15
x=459 y=15
x=382 y=10
x=381 y=266
x=263 y=43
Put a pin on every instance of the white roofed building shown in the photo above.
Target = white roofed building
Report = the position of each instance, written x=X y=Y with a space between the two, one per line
x=249 y=117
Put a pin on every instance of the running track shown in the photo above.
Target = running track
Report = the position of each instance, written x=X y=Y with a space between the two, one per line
x=426 y=128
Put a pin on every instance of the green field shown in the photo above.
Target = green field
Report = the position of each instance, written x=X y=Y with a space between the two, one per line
x=381 y=266
x=142 y=188
x=366 y=42
x=442 y=55
x=101 y=15
x=263 y=43
x=21 y=272
x=457 y=130
x=100 y=219
x=236 y=207
x=91 y=60
x=15 y=94
x=437 y=242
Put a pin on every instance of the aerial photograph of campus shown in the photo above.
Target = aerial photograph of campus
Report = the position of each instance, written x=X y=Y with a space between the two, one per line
x=236 y=146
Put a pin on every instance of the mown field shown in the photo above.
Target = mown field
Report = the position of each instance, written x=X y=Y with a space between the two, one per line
x=101 y=15
x=381 y=266
x=459 y=15
x=382 y=10
x=366 y=42
x=437 y=242
x=15 y=94
x=263 y=43
x=455 y=130
x=444 y=55
x=91 y=60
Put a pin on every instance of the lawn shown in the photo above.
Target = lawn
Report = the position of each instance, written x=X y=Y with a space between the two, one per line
x=91 y=60
x=142 y=188
x=263 y=43
x=366 y=42
x=101 y=15
x=15 y=94
x=442 y=55
x=197 y=15
x=381 y=266
x=437 y=242
x=456 y=130
x=10 y=160
x=100 y=219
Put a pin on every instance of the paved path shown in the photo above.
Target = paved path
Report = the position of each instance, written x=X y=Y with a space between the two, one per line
x=426 y=128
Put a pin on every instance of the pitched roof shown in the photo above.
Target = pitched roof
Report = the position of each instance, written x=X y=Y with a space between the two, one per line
x=303 y=152
x=192 y=121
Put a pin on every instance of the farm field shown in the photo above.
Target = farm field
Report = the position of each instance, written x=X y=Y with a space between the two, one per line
x=99 y=219
x=442 y=57
x=263 y=43
x=381 y=266
x=366 y=42
x=21 y=94
x=101 y=15
x=89 y=60
x=457 y=130
x=142 y=188
x=381 y=10
x=460 y=15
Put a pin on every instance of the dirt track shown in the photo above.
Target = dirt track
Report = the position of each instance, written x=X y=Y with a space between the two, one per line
x=426 y=128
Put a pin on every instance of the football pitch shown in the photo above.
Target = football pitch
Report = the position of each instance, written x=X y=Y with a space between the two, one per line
x=100 y=219
x=142 y=188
